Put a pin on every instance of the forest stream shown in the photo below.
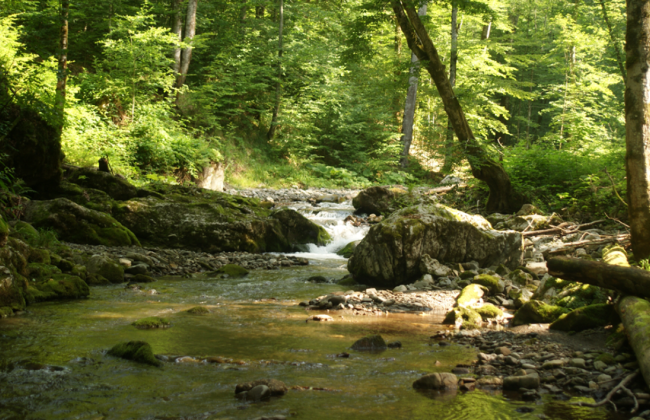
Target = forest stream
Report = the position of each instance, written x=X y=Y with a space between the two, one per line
x=54 y=362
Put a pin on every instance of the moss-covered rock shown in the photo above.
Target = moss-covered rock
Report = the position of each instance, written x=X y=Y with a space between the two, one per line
x=470 y=295
x=151 y=323
x=137 y=351
x=214 y=222
x=536 y=312
x=26 y=232
x=577 y=295
x=42 y=271
x=59 y=286
x=229 y=270
x=6 y=311
x=391 y=252
x=489 y=311
x=489 y=282
x=87 y=197
x=198 y=310
x=348 y=250
x=592 y=316
x=116 y=187
x=142 y=278
x=464 y=317
x=97 y=280
x=39 y=255
x=382 y=200
x=347 y=280
x=370 y=343
x=99 y=264
x=74 y=223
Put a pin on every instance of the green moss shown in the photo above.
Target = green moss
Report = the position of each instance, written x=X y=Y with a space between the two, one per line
x=489 y=311
x=4 y=232
x=6 y=311
x=536 y=312
x=59 y=286
x=41 y=271
x=576 y=295
x=615 y=255
x=488 y=281
x=230 y=270
x=198 y=310
x=347 y=281
x=606 y=358
x=26 y=232
x=142 y=278
x=348 y=250
x=466 y=318
x=470 y=295
x=587 y=317
x=152 y=322
x=94 y=279
x=137 y=351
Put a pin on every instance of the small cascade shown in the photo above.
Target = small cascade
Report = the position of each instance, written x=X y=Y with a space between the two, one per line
x=331 y=216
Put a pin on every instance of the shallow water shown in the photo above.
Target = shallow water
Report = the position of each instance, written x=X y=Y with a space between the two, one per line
x=255 y=321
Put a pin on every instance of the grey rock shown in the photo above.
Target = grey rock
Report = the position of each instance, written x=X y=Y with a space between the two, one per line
x=438 y=381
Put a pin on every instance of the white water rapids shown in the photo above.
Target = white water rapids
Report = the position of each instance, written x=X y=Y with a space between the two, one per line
x=331 y=216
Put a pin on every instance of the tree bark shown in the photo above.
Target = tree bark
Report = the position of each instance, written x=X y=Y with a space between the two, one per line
x=637 y=124
x=62 y=71
x=503 y=198
x=635 y=314
x=177 y=29
x=411 y=100
x=453 y=61
x=627 y=280
x=278 y=87
x=190 y=31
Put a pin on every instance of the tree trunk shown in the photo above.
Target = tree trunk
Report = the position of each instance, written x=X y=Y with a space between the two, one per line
x=190 y=31
x=627 y=280
x=637 y=124
x=177 y=29
x=635 y=314
x=409 y=104
x=278 y=87
x=453 y=61
x=503 y=198
x=62 y=71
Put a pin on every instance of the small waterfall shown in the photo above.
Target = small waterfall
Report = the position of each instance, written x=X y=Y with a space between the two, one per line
x=331 y=216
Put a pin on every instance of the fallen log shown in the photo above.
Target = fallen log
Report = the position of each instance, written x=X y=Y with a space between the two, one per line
x=635 y=314
x=626 y=280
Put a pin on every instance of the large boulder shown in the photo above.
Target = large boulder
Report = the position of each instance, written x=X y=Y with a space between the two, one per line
x=587 y=317
x=392 y=251
x=380 y=200
x=214 y=222
x=117 y=188
x=78 y=224
x=105 y=267
x=536 y=312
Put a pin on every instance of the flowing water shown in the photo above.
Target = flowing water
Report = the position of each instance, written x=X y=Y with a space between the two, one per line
x=53 y=363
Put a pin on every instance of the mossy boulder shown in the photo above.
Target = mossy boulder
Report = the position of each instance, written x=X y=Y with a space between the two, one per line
x=212 y=221
x=59 y=286
x=470 y=295
x=348 y=250
x=391 y=253
x=536 y=312
x=151 y=322
x=491 y=283
x=464 y=317
x=78 y=224
x=116 y=187
x=39 y=255
x=489 y=311
x=230 y=271
x=87 y=197
x=26 y=232
x=370 y=343
x=137 y=351
x=592 y=316
x=107 y=268
x=142 y=278
x=42 y=271
x=577 y=295
x=382 y=200
x=198 y=310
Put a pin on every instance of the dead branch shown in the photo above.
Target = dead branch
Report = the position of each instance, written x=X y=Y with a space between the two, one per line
x=610 y=394
x=573 y=245
x=563 y=228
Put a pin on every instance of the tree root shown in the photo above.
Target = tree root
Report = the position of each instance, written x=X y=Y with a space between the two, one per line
x=610 y=394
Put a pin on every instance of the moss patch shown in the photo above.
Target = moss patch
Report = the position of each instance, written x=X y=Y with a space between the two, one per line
x=466 y=318
x=587 y=317
x=489 y=311
x=230 y=270
x=59 y=286
x=137 y=351
x=488 y=281
x=198 y=310
x=142 y=278
x=151 y=323
x=4 y=232
x=536 y=312
x=470 y=295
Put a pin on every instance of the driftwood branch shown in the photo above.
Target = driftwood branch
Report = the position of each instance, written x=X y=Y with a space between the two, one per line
x=563 y=228
x=610 y=394
x=573 y=245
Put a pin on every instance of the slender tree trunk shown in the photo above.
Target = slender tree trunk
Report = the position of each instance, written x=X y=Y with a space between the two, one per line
x=190 y=31
x=177 y=29
x=409 y=104
x=62 y=71
x=278 y=87
x=259 y=12
x=615 y=44
x=503 y=198
x=637 y=124
x=453 y=62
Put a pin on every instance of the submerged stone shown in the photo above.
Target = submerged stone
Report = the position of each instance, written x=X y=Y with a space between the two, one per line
x=276 y=388
x=198 y=310
x=137 y=351
x=437 y=381
x=151 y=323
x=370 y=343
x=142 y=278
x=229 y=270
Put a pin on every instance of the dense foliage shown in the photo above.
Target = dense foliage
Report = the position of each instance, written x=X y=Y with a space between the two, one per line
x=540 y=83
